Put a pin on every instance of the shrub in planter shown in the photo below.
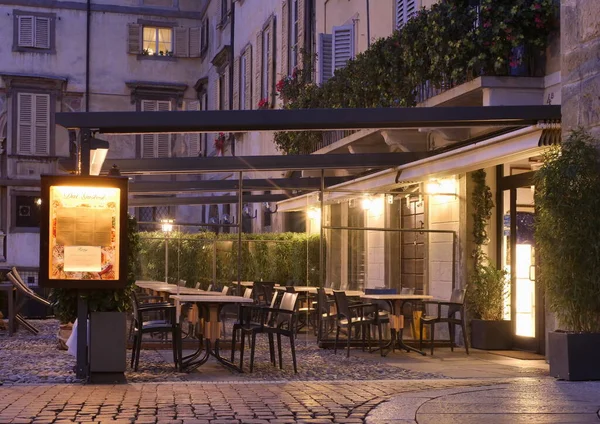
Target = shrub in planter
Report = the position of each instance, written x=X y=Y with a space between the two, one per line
x=486 y=290
x=567 y=236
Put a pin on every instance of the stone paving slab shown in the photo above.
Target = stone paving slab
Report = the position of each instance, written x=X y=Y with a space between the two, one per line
x=193 y=402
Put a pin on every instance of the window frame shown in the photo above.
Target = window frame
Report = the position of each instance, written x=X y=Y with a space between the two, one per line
x=51 y=32
x=157 y=28
x=139 y=138
x=243 y=79
x=13 y=211
x=204 y=36
x=264 y=78
x=224 y=13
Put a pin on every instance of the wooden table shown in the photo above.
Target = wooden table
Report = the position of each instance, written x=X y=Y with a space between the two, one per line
x=212 y=328
x=161 y=287
x=9 y=289
x=328 y=291
x=396 y=302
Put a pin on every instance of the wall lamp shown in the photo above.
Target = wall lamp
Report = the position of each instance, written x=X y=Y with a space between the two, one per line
x=98 y=152
x=247 y=212
x=267 y=208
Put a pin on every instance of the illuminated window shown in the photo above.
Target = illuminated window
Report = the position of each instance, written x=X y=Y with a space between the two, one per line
x=158 y=40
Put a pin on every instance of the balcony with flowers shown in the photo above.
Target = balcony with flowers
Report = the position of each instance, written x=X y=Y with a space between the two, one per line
x=451 y=54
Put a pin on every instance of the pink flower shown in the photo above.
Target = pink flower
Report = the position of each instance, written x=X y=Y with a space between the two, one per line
x=263 y=104
x=537 y=6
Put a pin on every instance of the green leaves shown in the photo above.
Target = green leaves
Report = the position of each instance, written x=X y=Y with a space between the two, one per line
x=567 y=231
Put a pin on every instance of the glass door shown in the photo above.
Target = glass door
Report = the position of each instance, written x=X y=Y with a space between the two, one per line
x=519 y=260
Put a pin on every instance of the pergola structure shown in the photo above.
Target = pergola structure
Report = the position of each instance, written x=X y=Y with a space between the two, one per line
x=90 y=123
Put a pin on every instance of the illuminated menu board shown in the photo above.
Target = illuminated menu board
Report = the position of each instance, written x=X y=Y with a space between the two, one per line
x=83 y=237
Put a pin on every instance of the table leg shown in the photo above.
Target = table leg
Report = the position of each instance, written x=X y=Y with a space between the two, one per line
x=398 y=314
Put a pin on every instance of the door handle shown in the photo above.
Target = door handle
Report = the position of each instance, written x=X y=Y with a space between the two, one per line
x=532 y=272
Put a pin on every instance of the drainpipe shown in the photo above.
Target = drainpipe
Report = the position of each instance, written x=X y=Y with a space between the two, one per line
x=231 y=61
x=368 y=25
x=87 y=56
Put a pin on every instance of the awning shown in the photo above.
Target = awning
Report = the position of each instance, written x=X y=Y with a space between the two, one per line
x=519 y=144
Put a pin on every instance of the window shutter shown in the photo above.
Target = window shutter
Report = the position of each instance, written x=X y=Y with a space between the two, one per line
x=258 y=69
x=182 y=40
x=26 y=37
x=342 y=46
x=248 y=71
x=226 y=88
x=163 y=148
x=195 y=42
x=271 y=62
x=411 y=8
x=25 y=129
x=194 y=148
x=285 y=38
x=405 y=9
x=42 y=33
x=148 y=140
x=42 y=124
x=301 y=22
x=325 y=58
x=236 y=83
x=134 y=39
x=217 y=93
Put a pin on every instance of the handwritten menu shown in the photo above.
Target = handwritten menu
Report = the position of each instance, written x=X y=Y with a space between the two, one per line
x=82 y=226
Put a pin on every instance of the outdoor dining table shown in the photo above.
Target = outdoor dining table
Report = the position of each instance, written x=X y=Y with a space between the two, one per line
x=328 y=291
x=165 y=288
x=396 y=302
x=212 y=329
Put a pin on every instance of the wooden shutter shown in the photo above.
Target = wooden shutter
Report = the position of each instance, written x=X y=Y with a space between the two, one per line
x=258 y=69
x=194 y=147
x=163 y=145
x=226 y=88
x=42 y=33
x=405 y=9
x=25 y=127
x=271 y=62
x=236 y=83
x=248 y=87
x=285 y=37
x=411 y=9
x=301 y=31
x=42 y=124
x=325 y=57
x=26 y=32
x=195 y=42
x=134 y=39
x=342 y=46
x=149 y=140
x=182 y=40
x=217 y=93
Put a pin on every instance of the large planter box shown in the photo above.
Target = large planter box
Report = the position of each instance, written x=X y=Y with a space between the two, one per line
x=491 y=335
x=107 y=347
x=574 y=356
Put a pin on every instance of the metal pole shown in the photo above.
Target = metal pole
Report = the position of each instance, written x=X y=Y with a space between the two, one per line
x=167 y=257
x=239 y=258
x=215 y=262
x=321 y=248
x=454 y=260
x=82 y=305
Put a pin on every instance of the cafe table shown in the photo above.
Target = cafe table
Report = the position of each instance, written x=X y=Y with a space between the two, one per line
x=212 y=328
x=328 y=291
x=396 y=302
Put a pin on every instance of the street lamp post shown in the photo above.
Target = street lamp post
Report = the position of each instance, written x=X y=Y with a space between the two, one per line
x=167 y=227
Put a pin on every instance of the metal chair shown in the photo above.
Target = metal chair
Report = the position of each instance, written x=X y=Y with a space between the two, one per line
x=323 y=311
x=162 y=326
x=352 y=316
x=456 y=305
x=22 y=295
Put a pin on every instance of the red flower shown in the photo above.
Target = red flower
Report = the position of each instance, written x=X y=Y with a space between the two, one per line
x=280 y=85
x=263 y=104
x=220 y=143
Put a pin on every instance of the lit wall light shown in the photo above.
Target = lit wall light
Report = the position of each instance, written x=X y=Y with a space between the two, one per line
x=444 y=187
x=167 y=225
x=367 y=203
x=314 y=214
x=38 y=201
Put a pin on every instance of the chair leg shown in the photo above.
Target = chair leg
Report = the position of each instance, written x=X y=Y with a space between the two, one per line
x=380 y=333
x=242 y=344
x=272 y=349
x=252 y=350
x=139 y=351
x=421 y=335
x=233 y=332
x=175 y=343
x=293 y=347
x=348 y=340
x=363 y=330
x=133 y=348
x=279 y=351
x=337 y=336
x=464 y=331
x=451 y=332
x=432 y=336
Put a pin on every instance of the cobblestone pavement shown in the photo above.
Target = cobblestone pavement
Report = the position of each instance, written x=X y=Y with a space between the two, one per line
x=215 y=403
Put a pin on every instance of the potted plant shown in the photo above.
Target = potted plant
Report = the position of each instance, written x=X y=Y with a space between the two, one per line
x=487 y=285
x=107 y=345
x=567 y=235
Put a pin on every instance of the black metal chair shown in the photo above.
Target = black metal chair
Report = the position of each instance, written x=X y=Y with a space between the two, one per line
x=352 y=316
x=456 y=305
x=325 y=319
x=281 y=323
x=160 y=326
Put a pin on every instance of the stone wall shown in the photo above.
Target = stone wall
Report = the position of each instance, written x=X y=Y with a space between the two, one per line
x=580 y=50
